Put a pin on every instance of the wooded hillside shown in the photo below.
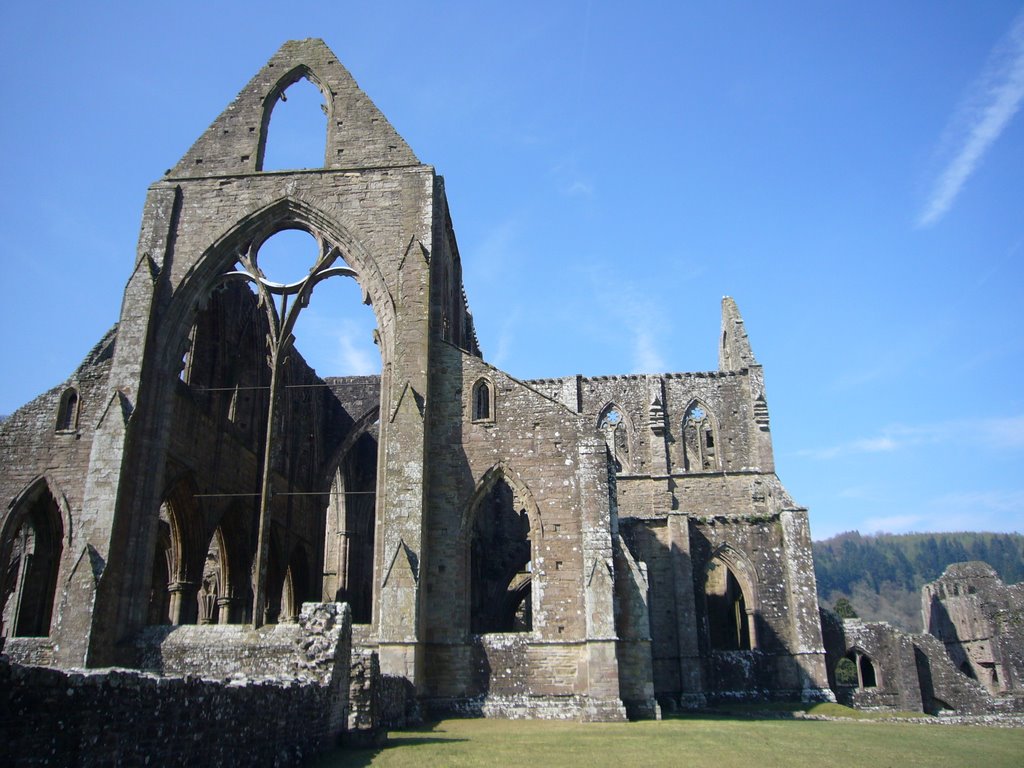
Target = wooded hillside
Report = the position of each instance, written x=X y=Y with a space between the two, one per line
x=881 y=575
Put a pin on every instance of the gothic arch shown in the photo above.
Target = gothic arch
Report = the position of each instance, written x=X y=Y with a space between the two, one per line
x=68 y=410
x=868 y=671
x=616 y=428
x=32 y=543
x=294 y=75
x=482 y=400
x=702 y=451
x=359 y=428
x=238 y=553
x=250 y=231
x=350 y=520
x=179 y=557
x=501 y=471
x=296 y=587
x=501 y=535
x=731 y=601
x=214 y=587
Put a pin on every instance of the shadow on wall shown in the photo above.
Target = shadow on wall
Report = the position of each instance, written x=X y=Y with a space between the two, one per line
x=704 y=612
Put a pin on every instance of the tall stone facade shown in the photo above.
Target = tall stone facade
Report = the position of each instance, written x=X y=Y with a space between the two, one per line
x=566 y=547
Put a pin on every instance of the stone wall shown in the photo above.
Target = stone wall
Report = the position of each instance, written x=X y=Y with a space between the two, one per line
x=118 y=717
x=980 y=621
x=911 y=673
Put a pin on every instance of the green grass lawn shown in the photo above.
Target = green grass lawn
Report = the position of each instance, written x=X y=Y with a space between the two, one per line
x=716 y=742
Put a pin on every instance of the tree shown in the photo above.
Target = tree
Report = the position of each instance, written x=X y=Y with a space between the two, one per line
x=844 y=609
x=846 y=672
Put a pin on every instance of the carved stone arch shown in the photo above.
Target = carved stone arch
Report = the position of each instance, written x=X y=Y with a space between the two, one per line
x=238 y=554
x=359 y=428
x=501 y=534
x=731 y=600
x=524 y=498
x=279 y=555
x=616 y=428
x=350 y=535
x=483 y=400
x=32 y=544
x=744 y=570
x=189 y=537
x=31 y=492
x=869 y=673
x=287 y=80
x=296 y=587
x=206 y=273
x=702 y=451
x=69 y=408
x=215 y=579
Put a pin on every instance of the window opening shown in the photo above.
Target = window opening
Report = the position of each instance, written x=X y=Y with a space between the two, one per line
x=699 y=445
x=30 y=576
x=482 y=400
x=856 y=669
x=349 y=543
x=846 y=673
x=612 y=425
x=296 y=134
x=867 y=672
x=500 y=565
x=729 y=617
x=67 y=411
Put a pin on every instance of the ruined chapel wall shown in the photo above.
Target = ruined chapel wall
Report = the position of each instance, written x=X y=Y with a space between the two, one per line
x=33 y=448
x=543 y=447
x=892 y=656
x=981 y=622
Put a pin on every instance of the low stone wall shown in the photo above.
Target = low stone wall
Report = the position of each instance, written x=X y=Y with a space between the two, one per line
x=398 y=706
x=118 y=717
x=274 y=696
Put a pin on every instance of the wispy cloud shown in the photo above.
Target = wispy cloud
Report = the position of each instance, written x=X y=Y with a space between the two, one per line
x=992 y=101
x=997 y=433
x=983 y=510
x=356 y=356
x=646 y=357
x=628 y=310
x=579 y=188
x=506 y=338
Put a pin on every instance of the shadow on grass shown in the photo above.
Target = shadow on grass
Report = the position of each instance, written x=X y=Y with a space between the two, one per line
x=348 y=757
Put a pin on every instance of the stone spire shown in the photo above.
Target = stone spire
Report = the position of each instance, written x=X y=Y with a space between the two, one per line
x=735 y=353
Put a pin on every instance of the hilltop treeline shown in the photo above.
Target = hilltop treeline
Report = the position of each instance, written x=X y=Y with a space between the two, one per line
x=882 y=574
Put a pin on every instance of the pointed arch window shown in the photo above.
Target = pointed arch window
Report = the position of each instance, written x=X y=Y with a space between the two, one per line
x=294 y=126
x=858 y=670
x=483 y=401
x=32 y=547
x=701 y=450
x=67 y=411
x=501 y=563
x=730 y=610
x=612 y=425
x=213 y=587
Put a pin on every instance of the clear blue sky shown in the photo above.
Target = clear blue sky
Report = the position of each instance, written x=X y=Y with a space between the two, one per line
x=852 y=173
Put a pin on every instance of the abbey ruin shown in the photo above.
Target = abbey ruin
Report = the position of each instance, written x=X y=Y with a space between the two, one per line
x=195 y=500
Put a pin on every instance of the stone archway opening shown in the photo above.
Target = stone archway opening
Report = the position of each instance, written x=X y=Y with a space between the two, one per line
x=32 y=546
x=501 y=565
x=729 y=612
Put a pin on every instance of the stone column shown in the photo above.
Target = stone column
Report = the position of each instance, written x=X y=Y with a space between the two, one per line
x=183 y=605
x=691 y=680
